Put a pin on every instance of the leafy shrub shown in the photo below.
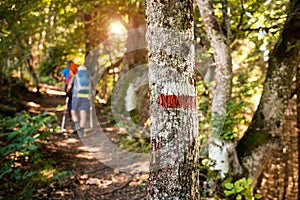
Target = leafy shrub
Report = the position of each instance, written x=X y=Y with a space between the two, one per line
x=21 y=154
x=224 y=189
x=238 y=107
x=240 y=189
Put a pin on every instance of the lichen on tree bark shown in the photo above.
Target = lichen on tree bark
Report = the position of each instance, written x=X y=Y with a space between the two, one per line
x=174 y=129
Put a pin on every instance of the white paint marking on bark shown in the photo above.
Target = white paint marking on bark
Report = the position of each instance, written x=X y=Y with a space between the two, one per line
x=219 y=151
x=178 y=88
x=130 y=99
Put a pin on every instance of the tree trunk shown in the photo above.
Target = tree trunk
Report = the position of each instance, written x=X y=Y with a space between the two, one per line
x=135 y=56
x=222 y=152
x=298 y=123
x=174 y=131
x=136 y=53
x=28 y=66
x=32 y=73
x=264 y=133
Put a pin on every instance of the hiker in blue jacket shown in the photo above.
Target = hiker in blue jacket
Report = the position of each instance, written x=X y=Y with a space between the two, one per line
x=66 y=74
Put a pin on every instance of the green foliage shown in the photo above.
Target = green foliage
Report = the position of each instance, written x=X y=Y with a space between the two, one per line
x=209 y=179
x=47 y=67
x=136 y=143
x=214 y=186
x=238 y=107
x=42 y=33
x=21 y=153
x=48 y=79
x=240 y=189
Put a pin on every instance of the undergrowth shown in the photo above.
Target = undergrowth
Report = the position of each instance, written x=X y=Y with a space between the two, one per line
x=23 y=164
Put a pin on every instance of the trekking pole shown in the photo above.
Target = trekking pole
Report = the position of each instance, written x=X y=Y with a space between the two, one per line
x=64 y=116
x=91 y=115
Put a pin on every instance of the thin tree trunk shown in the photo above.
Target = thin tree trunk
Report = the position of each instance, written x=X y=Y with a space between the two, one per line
x=135 y=56
x=222 y=152
x=174 y=131
x=88 y=32
x=28 y=66
x=32 y=72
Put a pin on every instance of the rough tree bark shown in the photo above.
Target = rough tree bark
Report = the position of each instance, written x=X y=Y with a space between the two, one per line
x=222 y=152
x=173 y=108
x=298 y=122
x=264 y=133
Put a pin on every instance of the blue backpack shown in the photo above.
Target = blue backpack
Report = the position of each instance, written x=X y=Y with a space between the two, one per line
x=83 y=79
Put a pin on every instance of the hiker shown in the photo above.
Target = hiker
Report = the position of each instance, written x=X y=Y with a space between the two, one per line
x=81 y=85
x=67 y=74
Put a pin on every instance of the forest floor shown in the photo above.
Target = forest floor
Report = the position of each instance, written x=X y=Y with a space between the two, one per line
x=90 y=179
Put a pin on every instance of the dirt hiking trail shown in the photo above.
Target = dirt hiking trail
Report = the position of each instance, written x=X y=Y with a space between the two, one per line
x=90 y=178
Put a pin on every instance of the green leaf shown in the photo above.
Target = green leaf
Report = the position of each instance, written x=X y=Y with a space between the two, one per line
x=12 y=135
x=257 y=196
x=249 y=181
x=238 y=197
x=28 y=174
x=239 y=189
x=228 y=192
x=228 y=186
x=9 y=149
x=31 y=147
x=5 y=170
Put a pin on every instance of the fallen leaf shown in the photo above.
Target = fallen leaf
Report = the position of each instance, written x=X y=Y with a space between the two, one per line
x=93 y=181
x=84 y=177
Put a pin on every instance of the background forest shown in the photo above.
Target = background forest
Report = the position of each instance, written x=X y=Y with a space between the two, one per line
x=37 y=39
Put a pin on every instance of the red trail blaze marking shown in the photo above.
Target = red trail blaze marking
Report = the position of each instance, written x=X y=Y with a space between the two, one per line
x=177 y=101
